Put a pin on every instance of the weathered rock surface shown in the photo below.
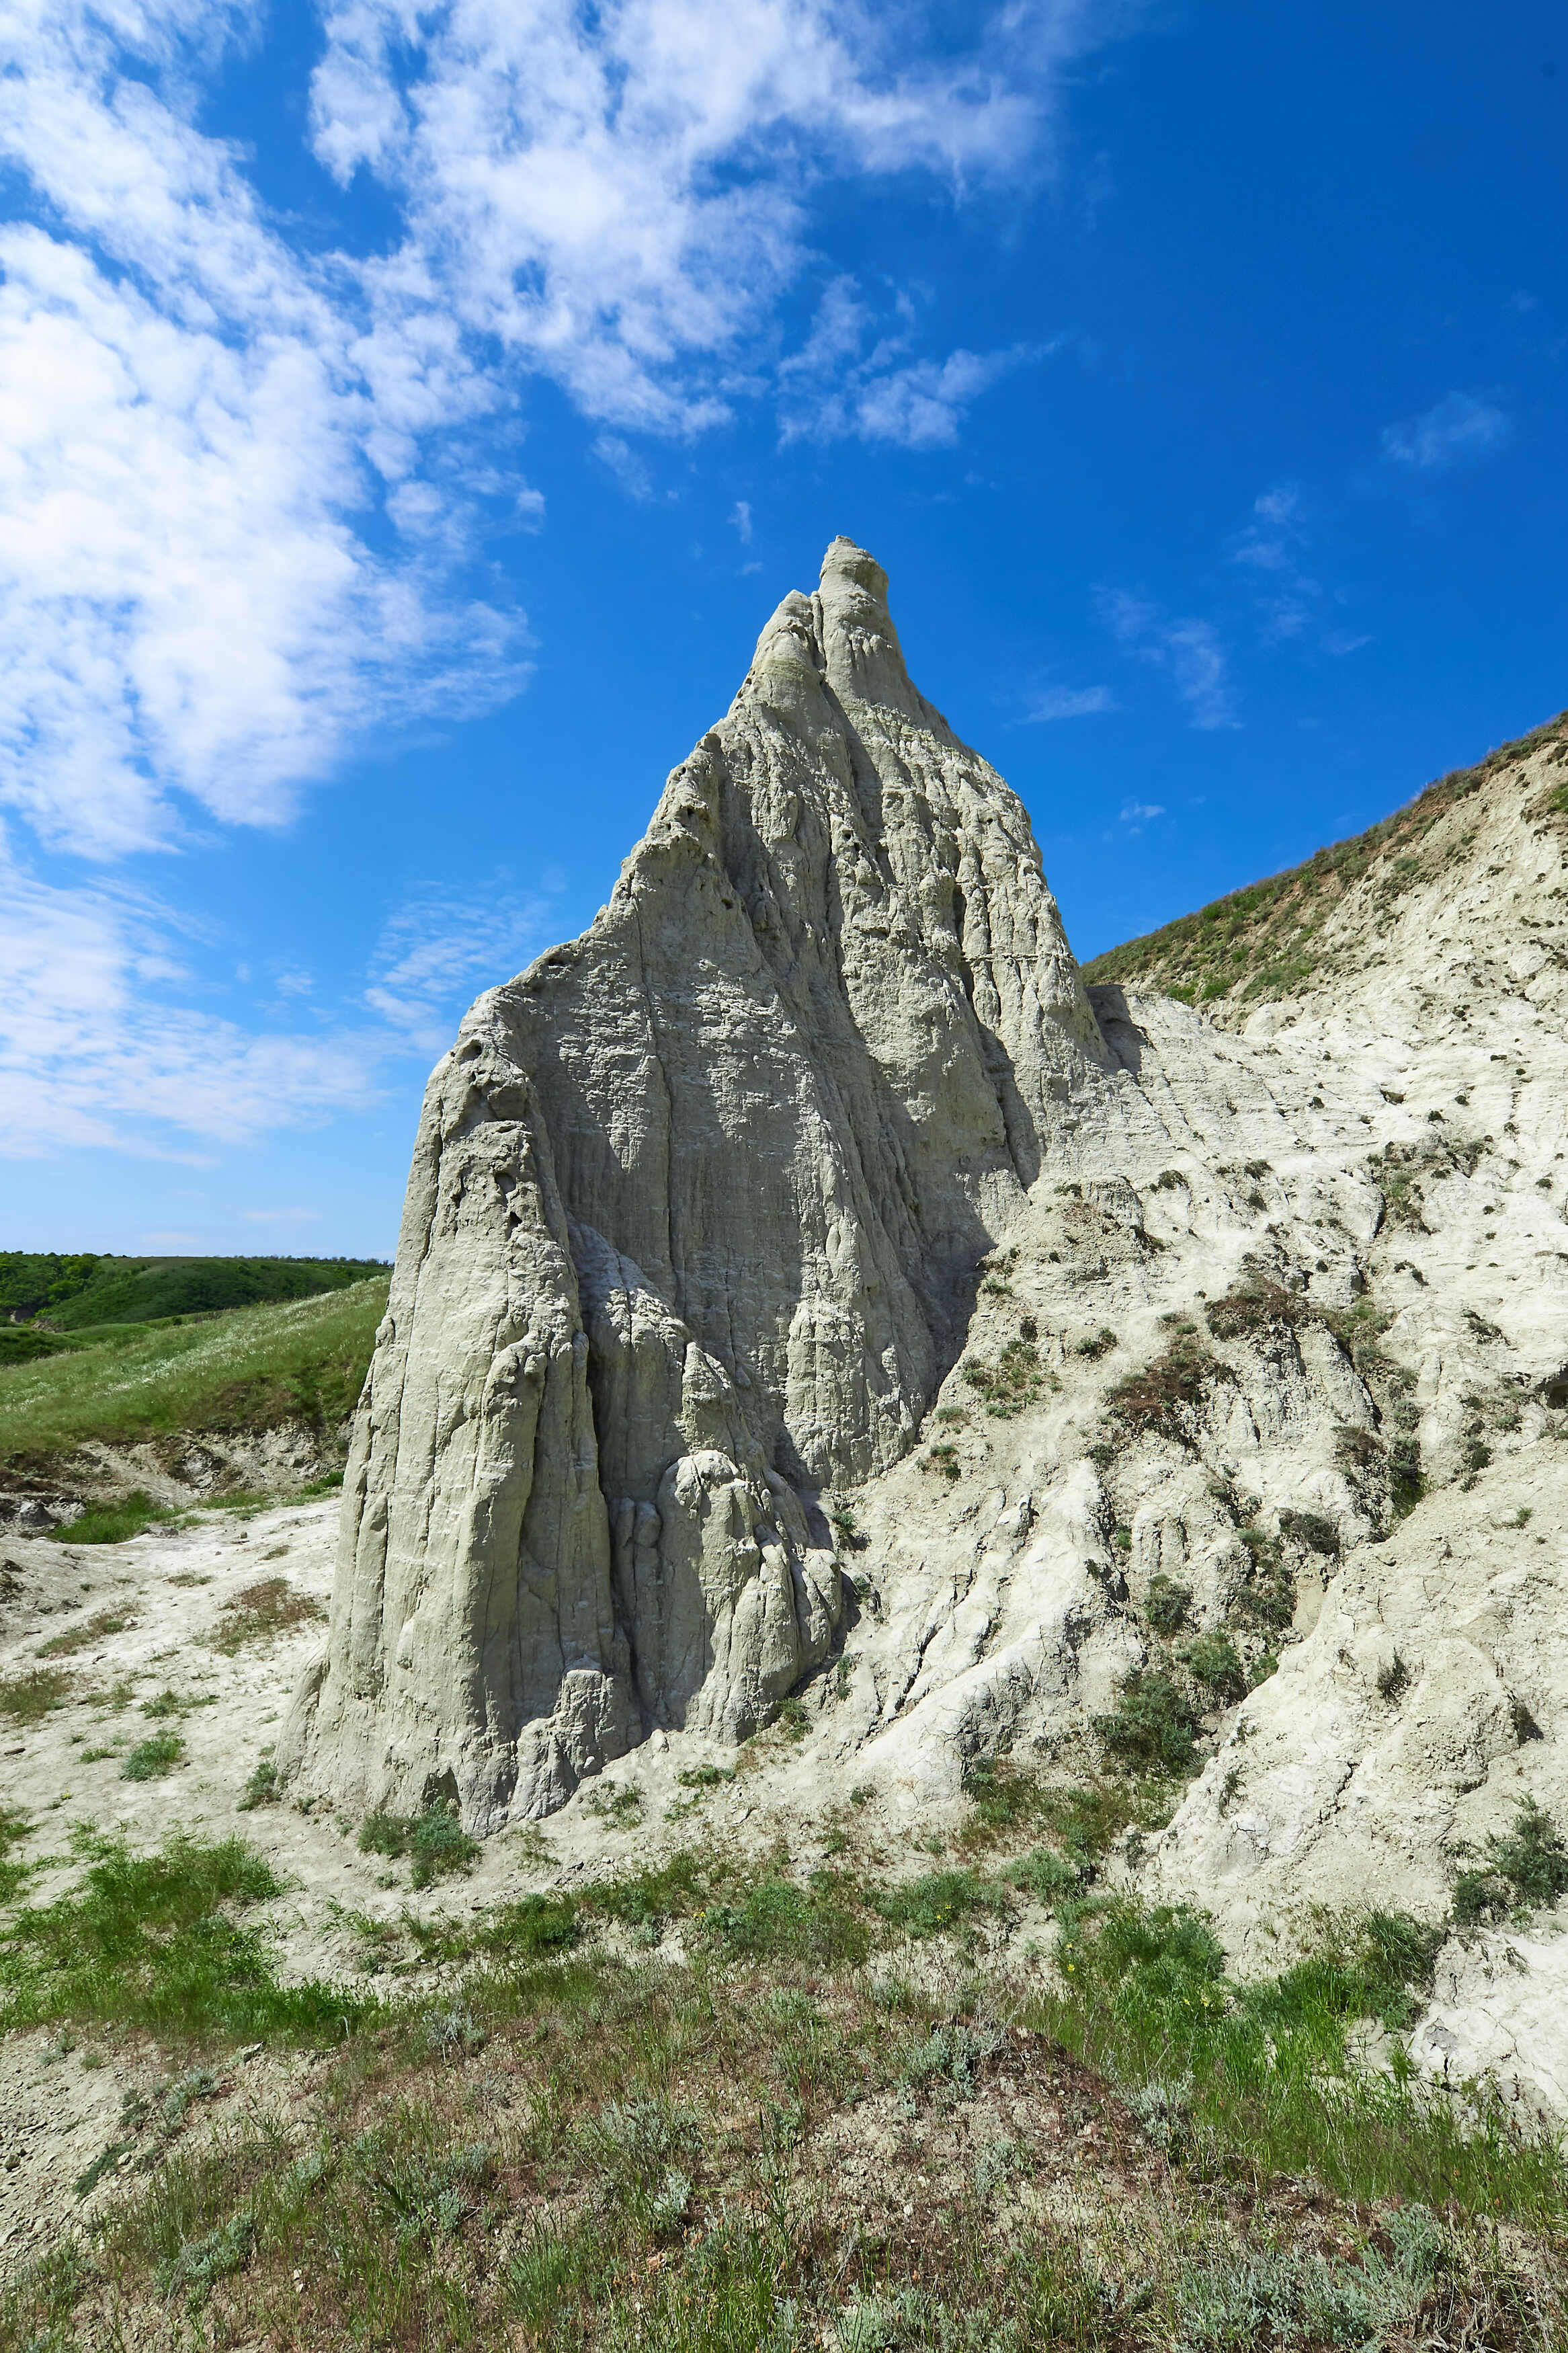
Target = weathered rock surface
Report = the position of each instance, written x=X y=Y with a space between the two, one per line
x=1148 y=1344
x=691 y=1231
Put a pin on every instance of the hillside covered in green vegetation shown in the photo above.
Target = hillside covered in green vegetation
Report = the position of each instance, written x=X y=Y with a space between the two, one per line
x=1268 y=939
x=46 y=1295
x=297 y=1360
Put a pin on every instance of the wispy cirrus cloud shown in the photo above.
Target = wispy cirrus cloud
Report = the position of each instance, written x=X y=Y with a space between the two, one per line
x=109 y=1040
x=1053 y=703
x=1461 y=429
x=852 y=378
x=1190 y=652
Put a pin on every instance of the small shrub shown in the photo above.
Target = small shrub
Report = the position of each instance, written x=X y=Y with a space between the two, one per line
x=1312 y=1530
x=1406 y=1484
x=1212 y=1660
x=1046 y=1876
x=1163 y=1396
x=619 y=1803
x=436 y=1839
x=151 y=1759
x=1152 y=1725
x=1528 y=1866
x=1392 y=1680
x=1009 y=1384
x=1167 y=1604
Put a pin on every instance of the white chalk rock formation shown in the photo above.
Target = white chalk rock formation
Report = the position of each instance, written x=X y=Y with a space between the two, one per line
x=691 y=1232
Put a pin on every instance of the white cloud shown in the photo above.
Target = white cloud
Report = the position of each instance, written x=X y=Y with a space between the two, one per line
x=1137 y=814
x=1069 y=703
x=190 y=604
x=1458 y=428
x=1189 y=651
x=619 y=196
x=1271 y=545
x=93 y=1054
x=833 y=389
x=202 y=424
x=96 y=1049
x=628 y=469
x=440 y=949
x=280 y=1217
x=741 y=516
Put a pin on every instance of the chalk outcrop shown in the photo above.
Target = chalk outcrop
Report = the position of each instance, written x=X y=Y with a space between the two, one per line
x=1218 y=1363
x=691 y=1234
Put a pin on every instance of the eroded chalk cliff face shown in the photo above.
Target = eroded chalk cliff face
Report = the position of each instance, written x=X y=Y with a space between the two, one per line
x=692 y=1232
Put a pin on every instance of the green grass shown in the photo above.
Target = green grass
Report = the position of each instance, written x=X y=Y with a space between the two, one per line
x=159 y=1941
x=27 y=1699
x=305 y=1360
x=566 y=2151
x=151 y=1759
x=113 y=1523
x=14 y=1874
x=436 y=1841
x=571 y=2153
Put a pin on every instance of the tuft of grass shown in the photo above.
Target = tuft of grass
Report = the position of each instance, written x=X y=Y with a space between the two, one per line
x=115 y=1522
x=774 y=1920
x=151 y=1759
x=268 y=1608
x=1528 y=1866
x=938 y=1902
x=27 y=1699
x=96 y=1628
x=159 y=1941
x=13 y=1875
x=436 y=1839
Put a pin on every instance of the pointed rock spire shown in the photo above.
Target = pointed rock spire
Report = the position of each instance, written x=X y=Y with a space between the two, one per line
x=691 y=1234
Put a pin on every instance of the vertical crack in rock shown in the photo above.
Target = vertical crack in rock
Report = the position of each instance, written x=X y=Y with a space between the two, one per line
x=690 y=1233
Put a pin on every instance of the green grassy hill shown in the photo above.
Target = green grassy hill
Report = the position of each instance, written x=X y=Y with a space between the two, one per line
x=1267 y=939
x=69 y=1292
x=300 y=1360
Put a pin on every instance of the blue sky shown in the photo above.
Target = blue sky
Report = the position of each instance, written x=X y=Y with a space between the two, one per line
x=408 y=418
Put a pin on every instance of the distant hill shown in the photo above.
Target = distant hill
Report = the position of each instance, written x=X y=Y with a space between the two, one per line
x=47 y=1294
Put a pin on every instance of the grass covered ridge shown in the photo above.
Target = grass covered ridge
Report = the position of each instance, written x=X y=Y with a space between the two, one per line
x=1264 y=941
x=304 y=1360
